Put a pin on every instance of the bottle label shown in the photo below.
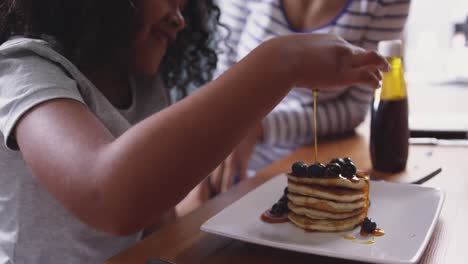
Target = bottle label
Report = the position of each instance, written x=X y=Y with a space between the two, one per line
x=393 y=83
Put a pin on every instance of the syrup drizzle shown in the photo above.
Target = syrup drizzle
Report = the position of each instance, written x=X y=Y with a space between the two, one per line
x=376 y=233
x=268 y=217
x=314 y=92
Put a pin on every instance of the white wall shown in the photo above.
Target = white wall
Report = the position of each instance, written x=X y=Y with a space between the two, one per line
x=428 y=36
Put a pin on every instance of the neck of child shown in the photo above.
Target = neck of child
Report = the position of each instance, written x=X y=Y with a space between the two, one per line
x=114 y=85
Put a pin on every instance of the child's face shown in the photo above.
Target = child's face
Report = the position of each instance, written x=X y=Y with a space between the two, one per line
x=161 y=21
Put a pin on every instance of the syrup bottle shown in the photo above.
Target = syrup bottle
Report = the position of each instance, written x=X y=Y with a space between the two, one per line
x=389 y=115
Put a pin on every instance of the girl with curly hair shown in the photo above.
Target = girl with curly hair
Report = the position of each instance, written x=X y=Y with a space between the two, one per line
x=94 y=151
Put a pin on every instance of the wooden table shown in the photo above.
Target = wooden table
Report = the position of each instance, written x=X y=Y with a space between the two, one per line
x=183 y=242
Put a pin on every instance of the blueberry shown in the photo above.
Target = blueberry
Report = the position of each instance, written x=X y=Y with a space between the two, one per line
x=275 y=210
x=286 y=191
x=279 y=209
x=316 y=170
x=366 y=227
x=299 y=169
x=369 y=226
x=367 y=220
x=283 y=199
x=340 y=161
x=349 y=170
x=282 y=202
x=333 y=170
x=347 y=160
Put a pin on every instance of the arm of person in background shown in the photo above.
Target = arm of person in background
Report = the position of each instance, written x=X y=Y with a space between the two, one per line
x=234 y=15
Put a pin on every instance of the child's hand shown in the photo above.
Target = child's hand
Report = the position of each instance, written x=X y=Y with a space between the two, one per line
x=321 y=61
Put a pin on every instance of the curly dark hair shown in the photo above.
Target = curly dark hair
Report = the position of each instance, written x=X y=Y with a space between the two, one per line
x=90 y=34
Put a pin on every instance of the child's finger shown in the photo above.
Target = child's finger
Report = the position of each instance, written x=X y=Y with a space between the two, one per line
x=228 y=173
x=371 y=79
x=217 y=177
x=379 y=74
x=370 y=59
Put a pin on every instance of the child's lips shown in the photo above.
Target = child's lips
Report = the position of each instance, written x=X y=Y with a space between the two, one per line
x=164 y=36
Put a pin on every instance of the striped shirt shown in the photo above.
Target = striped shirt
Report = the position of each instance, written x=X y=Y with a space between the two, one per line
x=361 y=22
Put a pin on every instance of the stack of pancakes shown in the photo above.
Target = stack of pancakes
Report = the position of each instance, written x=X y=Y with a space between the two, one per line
x=328 y=204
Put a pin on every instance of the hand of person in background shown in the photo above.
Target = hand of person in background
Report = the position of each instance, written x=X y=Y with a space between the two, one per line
x=234 y=167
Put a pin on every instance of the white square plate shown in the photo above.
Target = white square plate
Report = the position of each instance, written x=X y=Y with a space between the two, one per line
x=408 y=214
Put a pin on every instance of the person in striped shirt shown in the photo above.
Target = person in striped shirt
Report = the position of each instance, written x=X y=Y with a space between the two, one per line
x=290 y=125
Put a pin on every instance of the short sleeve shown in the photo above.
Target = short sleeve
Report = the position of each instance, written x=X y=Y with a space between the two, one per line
x=27 y=80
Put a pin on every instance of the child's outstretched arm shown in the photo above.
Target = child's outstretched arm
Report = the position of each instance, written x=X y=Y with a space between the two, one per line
x=121 y=185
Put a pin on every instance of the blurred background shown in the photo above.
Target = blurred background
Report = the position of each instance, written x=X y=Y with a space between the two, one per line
x=434 y=50
x=436 y=62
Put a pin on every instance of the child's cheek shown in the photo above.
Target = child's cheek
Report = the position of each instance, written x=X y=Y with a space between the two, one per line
x=148 y=55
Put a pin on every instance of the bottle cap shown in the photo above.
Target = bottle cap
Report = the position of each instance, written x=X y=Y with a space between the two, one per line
x=390 y=48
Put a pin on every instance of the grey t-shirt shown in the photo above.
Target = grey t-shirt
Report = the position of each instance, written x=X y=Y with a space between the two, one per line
x=34 y=227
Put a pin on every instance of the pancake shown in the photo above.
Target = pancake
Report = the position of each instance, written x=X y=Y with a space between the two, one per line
x=317 y=214
x=329 y=198
x=356 y=183
x=328 y=225
x=338 y=194
x=326 y=205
